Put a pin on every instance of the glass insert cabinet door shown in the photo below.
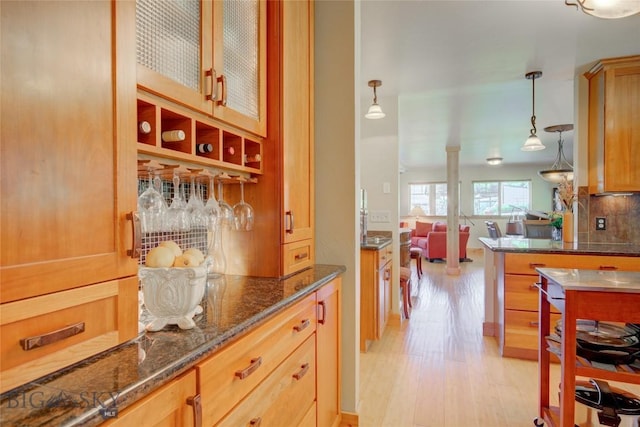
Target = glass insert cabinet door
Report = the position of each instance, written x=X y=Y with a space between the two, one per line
x=207 y=55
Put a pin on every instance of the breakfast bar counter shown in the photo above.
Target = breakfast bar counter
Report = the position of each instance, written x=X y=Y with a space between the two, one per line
x=87 y=392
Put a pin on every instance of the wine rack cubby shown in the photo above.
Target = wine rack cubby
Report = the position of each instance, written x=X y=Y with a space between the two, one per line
x=166 y=130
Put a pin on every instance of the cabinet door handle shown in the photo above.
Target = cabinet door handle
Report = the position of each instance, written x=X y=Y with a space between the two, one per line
x=303 y=325
x=136 y=233
x=302 y=372
x=322 y=319
x=223 y=82
x=30 y=343
x=534 y=265
x=303 y=255
x=196 y=402
x=255 y=422
x=213 y=81
x=289 y=228
x=607 y=267
x=255 y=364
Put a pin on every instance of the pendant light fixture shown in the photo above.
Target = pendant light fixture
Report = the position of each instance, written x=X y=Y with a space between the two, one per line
x=533 y=143
x=561 y=169
x=375 y=111
x=611 y=9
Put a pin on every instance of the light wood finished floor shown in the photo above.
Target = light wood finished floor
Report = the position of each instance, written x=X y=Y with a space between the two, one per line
x=438 y=370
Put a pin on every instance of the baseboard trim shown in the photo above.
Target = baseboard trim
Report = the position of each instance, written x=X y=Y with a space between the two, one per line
x=349 y=420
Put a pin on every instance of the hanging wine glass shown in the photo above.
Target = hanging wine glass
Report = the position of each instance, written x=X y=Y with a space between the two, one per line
x=178 y=217
x=243 y=212
x=211 y=208
x=195 y=207
x=225 y=210
x=151 y=206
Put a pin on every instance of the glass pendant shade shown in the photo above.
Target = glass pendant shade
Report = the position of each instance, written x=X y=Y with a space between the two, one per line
x=533 y=143
x=607 y=9
x=375 y=112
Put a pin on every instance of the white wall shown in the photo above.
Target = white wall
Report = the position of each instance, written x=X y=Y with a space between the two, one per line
x=541 y=192
x=337 y=168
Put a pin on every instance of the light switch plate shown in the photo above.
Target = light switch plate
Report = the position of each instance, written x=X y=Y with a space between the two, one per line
x=380 y=216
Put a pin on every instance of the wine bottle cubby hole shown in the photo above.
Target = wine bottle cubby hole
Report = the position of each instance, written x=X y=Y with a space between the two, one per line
x=172 y=132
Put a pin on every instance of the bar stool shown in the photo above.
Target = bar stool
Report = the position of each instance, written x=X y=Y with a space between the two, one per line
x=416 y=253
x=405 y=290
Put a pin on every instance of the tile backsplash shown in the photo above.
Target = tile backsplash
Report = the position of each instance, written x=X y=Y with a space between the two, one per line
x=622 y=214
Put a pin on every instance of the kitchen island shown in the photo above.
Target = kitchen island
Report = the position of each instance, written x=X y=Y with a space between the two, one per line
x=611 y=296
x=95 y=389
x=511 y=303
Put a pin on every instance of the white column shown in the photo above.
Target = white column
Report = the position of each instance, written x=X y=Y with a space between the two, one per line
x=453 y=196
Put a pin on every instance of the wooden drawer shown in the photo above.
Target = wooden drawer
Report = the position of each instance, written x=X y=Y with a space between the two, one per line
x=297 y=256
x=165 y=407
x=309 y=419
x=521 y=329
x=107 y=313
x=284 y=398
x=385 y=255
x=527 y=263
x=520 y=293
x=220 y=376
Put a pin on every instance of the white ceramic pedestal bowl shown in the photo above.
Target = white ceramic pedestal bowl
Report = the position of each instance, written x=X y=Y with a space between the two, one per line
x=172 y=295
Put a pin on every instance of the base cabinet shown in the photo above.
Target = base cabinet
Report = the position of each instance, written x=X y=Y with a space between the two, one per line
x=173 y=405
x=518 y=309
x=284 y=373
x=376 y=271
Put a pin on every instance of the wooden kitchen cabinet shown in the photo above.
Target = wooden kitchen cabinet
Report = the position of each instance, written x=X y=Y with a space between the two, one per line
x=518 y=297
x=285 y=372
x=68 y=180
x=175 y=404
x=376 y=271
x=329 y=352
x=614 y=125
x=286 y=191
x=218 y=67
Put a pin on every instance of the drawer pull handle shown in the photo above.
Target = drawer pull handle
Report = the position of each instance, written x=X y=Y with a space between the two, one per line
x=303 y=255
x=51 y=337
x=255 y=364
x=536 y=264
x=607 y=267
x=255 y=422
x=196 y=402
x=534 y=324
x=302 y=325
x=323 y=318
x=302 y=372
x=136 y=233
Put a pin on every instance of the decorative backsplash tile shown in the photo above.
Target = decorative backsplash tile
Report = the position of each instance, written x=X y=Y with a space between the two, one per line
x=622 y=214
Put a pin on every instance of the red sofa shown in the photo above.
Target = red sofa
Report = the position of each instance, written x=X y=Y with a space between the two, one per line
x=432 y=239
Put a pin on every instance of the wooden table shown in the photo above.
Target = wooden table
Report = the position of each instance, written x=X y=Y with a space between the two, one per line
x=612 y=296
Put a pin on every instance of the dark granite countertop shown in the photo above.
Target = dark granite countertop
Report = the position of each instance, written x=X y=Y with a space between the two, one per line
x=234 y=305
x=523 y=245
x=375 y=243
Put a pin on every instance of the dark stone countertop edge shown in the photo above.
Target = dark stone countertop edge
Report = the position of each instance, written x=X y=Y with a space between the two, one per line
x=524 y=245
x=371 y=246
x=162 y=375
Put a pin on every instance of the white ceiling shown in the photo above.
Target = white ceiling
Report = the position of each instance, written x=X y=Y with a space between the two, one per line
x=453 y=72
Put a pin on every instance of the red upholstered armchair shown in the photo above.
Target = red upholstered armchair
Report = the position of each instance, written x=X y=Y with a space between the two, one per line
x=432 y=239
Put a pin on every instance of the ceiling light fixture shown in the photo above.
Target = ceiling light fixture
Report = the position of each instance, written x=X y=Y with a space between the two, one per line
x=561 y=168
x=375 y=111
x=607 y=9
x=494 y=161
x=533 y=143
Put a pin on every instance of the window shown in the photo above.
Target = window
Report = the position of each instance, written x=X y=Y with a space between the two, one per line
x=501 y=198
x=431 y=197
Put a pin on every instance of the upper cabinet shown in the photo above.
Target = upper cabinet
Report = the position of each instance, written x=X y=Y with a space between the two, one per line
x=208 y=56
x=68 y=177
x=614 y=125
